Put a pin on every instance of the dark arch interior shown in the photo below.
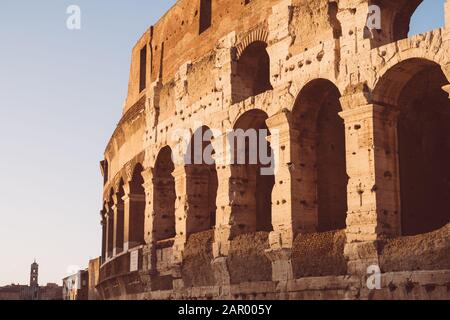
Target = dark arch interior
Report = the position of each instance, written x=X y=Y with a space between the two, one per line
x=105 y=166
x=205 y=15
x=137 y=208
x=252 y=72
x=164 y=196
x=120 y=219
x=110 y=224
x=104 y=231
x=202 y=182
x=254 y=180
x=424 y=150
x=322 y=155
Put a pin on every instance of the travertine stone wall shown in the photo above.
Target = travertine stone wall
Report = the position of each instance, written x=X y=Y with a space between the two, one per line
x=315 y=54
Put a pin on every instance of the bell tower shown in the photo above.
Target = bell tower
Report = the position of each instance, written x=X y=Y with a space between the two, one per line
x=34 y=272
x=34 y=284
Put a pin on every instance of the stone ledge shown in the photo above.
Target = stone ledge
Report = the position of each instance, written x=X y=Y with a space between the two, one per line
x=395 y=285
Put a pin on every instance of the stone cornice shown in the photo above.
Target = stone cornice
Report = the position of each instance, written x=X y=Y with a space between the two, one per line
x=137 y=109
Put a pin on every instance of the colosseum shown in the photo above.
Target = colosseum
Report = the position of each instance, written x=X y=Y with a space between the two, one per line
x=355 y=119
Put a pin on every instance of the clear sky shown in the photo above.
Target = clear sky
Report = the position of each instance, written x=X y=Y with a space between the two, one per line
x=61 y=95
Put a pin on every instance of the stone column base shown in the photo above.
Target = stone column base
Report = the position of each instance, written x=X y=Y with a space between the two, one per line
x=221 y=273
x=149 y=259
x=361 y=256
x=178 y=283
x=281 y=264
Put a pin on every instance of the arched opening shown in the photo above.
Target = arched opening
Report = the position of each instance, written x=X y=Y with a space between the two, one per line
x=119 y=219
x=201 y=188
x=321 y=155
x=104 y=225
x=137 y=208
x=252 y=173
x=110 y=224
x=164 y=196
x=414 y=87
x=202 y=182
x=105 y=172
x=252 y=75
x=251 y=184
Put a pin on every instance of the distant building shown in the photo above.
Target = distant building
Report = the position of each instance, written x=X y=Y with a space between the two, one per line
x=51 y=291
x=76 y=286
x=14 y=292
x=33 y=291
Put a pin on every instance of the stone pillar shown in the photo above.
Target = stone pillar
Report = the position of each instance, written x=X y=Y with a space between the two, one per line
x=229 y=199
x=110 y=232
x=353 y=18
x=148 y=221
x=224 y=204
x=284 y=199
x=224 y=217
x=152 y=114
x=149 y=252
x=133 y=204
x=181 y=88
x=373 y=188
x=279 y=39
x=181 y=213
x=117 y=211
x=224 y=65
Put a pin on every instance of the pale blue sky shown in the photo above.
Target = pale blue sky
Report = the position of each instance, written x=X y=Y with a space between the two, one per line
x=61 y=95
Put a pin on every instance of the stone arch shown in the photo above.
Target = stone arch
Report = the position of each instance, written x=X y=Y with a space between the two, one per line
x=297 y=87
x=411 y=55
x=164 y=196
x=202 y=182
x=252 y=72
x=252 y=177
x=394 y=77
x=260 y=35
x=319 y=156
x=413 y=89
x=136 y=208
